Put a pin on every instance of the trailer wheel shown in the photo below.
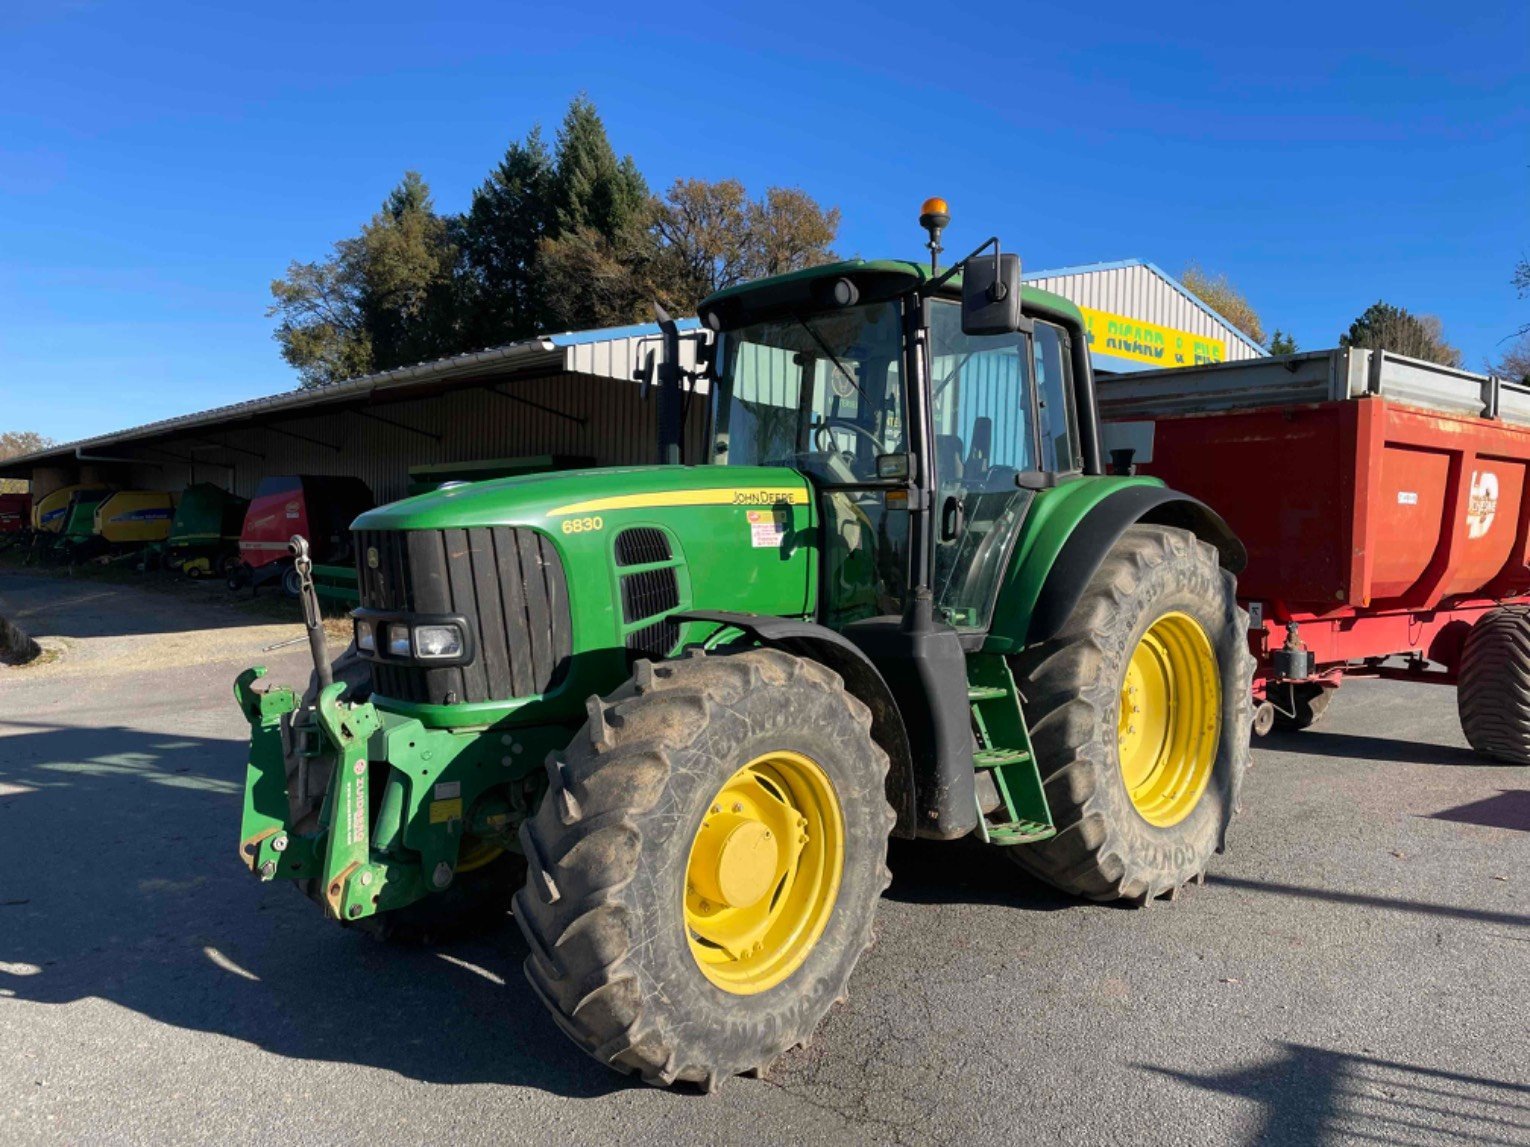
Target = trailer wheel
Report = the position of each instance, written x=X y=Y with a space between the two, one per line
x=1302 y=707
x=1140 y=711
x=292 y=582
x=706 y=864
x=1493 y=688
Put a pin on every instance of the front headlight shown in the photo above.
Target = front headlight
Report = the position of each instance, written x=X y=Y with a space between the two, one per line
x=366 y=637
x=398 y=641
x=437 y=641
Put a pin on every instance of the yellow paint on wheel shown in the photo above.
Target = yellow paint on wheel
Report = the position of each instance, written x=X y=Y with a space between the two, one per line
x=1170 y=719
x=764 y=872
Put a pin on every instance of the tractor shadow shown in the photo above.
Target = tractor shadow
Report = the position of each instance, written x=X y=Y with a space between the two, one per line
x=119 y=881
x=966 y=871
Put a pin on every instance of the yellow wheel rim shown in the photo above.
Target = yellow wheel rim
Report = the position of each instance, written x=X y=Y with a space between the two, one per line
x=764 y=872
x=475 y=853
x=1171 y=713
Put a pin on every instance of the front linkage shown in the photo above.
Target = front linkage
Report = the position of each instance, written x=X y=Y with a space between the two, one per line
x=439 y=789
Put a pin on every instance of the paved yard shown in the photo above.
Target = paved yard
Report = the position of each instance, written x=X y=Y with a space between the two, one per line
x=1355 y=970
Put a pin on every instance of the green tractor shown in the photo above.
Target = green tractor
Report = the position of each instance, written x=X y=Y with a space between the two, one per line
x=675 y=712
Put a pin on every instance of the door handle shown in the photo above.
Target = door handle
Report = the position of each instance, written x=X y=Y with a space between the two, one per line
x=953 y=518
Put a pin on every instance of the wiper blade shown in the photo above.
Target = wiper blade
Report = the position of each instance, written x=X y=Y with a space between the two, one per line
x=834 y=358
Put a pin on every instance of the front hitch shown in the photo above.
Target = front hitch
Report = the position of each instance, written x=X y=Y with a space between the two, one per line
x=265 y=844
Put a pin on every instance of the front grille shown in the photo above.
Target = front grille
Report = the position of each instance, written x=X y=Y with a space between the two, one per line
x=509 y=585
x=649 y=594
x=641 y=545
x=645 y=594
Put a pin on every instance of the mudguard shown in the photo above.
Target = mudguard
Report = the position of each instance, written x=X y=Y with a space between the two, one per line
x=861 y=677
x=1066 y=536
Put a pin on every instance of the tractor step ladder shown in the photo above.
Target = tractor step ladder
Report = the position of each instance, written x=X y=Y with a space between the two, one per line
x=1004 y=750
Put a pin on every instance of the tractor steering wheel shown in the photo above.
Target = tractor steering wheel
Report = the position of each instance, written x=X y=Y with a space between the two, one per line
x=823 y=433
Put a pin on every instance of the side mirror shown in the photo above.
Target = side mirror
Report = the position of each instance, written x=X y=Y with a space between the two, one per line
x=645 y=372
x=991 y=295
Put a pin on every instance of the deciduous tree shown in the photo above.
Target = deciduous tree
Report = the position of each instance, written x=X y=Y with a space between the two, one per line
x=1218 y=293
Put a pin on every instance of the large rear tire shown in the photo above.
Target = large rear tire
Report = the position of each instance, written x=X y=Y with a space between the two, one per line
x=677 y=929
x=1493 y=689
x=1140 y=712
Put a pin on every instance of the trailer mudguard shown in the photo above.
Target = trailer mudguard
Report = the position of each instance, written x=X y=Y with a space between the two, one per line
x=861 y=677
x=1067 y=534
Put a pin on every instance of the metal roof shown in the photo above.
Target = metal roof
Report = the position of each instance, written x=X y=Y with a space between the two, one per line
x=1154 y=268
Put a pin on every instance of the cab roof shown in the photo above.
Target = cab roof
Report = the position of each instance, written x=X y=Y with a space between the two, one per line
x=875 y=279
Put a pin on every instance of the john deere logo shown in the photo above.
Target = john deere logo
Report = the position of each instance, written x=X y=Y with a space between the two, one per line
x=372 y=557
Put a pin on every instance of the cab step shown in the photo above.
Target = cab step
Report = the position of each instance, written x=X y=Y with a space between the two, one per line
x=1019 y=832
x=986 y=693
x=997 y=758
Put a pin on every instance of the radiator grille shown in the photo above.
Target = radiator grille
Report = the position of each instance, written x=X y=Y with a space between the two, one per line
x=649 y=594
x=509 y=585
x=641 y=545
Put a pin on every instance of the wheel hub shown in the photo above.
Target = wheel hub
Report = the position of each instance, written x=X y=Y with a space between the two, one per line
x=735 y=860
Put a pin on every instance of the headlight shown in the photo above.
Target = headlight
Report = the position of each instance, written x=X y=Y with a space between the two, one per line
x=398 y=641
x=437 y=641
x=366 y=637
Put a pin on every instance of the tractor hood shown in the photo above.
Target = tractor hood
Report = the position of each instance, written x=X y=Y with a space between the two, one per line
x=561 y=580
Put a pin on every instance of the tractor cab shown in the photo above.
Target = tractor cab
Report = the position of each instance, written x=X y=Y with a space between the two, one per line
x=861 y=377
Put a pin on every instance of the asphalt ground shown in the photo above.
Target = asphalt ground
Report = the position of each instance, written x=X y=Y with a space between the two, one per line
x=1353 y=971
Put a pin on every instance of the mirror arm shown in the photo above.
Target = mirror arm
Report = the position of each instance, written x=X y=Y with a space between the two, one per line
x=955 y=269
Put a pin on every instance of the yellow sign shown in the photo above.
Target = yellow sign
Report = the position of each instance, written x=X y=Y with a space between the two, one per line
x=1149 y=343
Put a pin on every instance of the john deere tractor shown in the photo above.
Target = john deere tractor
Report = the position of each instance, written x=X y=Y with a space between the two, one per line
x=675 y=712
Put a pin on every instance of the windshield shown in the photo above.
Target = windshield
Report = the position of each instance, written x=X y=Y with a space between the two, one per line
x=820 y=393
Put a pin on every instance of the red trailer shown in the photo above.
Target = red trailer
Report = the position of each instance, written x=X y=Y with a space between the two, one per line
x=1383 y=504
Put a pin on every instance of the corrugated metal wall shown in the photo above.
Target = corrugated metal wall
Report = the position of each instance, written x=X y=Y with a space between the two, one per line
x=1141 y=294
x=608 y=422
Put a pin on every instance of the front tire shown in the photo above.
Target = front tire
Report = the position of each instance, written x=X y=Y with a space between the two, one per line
x=1140 y=712
x=678 y=795
x=1493 y=689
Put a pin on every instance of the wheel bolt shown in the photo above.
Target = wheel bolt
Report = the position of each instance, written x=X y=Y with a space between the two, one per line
x=737 y=807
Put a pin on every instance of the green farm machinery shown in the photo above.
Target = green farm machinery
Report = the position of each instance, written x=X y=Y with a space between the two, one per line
x=674 y=713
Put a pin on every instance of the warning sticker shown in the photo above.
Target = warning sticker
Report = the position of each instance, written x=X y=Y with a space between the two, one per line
x=767 y=528
x=443 y=811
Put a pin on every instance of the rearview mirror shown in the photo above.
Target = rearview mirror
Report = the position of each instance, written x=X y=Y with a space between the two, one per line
x=991 y=295
x=645 y=372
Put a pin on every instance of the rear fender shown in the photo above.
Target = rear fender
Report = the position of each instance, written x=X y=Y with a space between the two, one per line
x=861 y=678
x=1066 y=536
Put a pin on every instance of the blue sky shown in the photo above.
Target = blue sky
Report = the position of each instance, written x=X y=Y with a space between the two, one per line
x=161 y=163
